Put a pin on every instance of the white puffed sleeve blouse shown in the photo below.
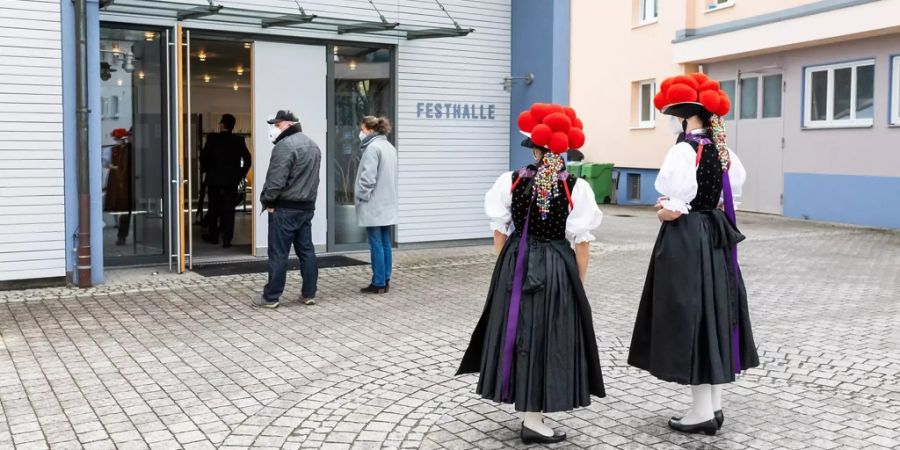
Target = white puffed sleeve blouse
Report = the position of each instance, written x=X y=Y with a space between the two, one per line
x=584 y=217
x=677 y=179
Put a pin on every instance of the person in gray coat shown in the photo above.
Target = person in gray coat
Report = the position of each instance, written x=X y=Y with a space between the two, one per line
x=377 y=204
x=289 y=195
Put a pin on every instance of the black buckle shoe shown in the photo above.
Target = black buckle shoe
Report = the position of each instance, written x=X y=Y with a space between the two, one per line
x=719 y=415
x=530 y=436
x=372 y=289
x=709 y=428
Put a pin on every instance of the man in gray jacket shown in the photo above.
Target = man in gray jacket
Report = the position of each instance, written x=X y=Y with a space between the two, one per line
x=289 y=195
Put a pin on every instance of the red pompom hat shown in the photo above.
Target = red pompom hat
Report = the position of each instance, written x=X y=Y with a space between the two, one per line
x=690 y=95
x=552 y=127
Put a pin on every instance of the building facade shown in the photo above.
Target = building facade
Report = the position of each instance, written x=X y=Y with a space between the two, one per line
x=814 y=87
x=161 y=74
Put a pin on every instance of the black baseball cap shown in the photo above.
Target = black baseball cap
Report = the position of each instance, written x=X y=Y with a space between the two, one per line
x=283 y=115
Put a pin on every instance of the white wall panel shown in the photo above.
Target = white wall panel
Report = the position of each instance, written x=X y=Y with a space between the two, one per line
x=32 y=214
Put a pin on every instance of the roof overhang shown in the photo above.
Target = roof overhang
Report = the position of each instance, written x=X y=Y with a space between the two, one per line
x=205 y=12
x=806 y=26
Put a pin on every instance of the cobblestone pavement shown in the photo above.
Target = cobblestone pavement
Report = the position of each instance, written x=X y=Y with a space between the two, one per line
x=182 y=361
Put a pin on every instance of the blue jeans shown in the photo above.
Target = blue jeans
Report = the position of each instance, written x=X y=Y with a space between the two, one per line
x=382 y=257
x=287 y=227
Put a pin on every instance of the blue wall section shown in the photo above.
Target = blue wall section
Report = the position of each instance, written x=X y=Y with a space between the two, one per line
x=648 y=191
x=851 y=199
x=94 y=140
x=540 y=45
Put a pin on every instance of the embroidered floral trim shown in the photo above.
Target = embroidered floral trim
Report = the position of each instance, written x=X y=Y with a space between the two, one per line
x=718 y=135
x=546 y=182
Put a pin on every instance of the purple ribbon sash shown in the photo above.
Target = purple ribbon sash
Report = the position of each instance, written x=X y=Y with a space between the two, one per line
x=727 y=194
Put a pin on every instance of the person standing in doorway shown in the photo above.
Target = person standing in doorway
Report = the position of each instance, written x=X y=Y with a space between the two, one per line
x=119 y=188
x=289 y=196
x=376 y=197
x=226 y=160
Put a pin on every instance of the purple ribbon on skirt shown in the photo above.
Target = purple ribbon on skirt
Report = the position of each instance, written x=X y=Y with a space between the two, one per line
x=735 y=330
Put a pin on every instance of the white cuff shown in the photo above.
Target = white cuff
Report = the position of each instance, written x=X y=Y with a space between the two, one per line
x=579 y=238
x=673 y=204
x=501 y=227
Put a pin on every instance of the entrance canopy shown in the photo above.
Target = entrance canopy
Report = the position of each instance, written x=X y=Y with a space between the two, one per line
x=214 y=11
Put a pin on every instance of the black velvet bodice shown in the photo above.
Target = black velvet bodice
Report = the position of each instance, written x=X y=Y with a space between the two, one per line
x=554 y=227
x=709 y=178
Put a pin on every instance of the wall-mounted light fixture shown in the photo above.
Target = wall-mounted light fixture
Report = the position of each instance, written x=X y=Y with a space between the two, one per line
x=149 y=36
x=141 y=74
x=206 y=78
x=201 y=56
x=235 y=86
x=508 y=81
x=352 y=64
x=248 y=45
x=240 y=70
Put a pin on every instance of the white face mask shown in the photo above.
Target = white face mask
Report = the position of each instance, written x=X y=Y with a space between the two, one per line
x=274 y=132
x=675 y=124
x=363 y=135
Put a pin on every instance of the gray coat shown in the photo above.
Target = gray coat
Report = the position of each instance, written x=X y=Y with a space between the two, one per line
x=377 y=202
x=293 y=177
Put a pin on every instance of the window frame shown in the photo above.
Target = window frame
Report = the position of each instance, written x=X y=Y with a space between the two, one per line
x=829 y=121
x=717 y=5
x=733 y=97
x=639 y=122
x=894 y=92
x=642 y=7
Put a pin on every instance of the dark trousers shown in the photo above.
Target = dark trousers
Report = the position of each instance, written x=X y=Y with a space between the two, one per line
x=291 y=227
x=221 y=212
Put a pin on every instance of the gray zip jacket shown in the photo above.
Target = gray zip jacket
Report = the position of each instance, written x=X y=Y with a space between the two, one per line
x=292 y=180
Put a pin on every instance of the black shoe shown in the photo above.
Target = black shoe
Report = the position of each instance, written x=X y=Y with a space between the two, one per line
x=226 y=244
x=719 y=415
x=209 y=239
x=530 y=436
x=709 y=428
x=372 y=289
x=387 y=286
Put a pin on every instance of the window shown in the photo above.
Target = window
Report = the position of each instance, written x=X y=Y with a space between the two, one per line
x=719 y=4
x=634 y=187
x=895 y=90
x=728 y=87
x=772 y=88
x=749 y=98
x=646 y=113
x=839 y=95
x=649 y=11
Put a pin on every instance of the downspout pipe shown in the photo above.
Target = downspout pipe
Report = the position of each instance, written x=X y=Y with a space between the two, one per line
x=83 y=255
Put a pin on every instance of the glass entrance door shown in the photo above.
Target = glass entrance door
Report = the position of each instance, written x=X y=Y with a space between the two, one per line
x=363 y=86
x=134 y=128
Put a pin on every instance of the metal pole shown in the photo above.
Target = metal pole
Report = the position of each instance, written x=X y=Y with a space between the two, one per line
x=83 y=262
x=190 y=175
x=170 y=236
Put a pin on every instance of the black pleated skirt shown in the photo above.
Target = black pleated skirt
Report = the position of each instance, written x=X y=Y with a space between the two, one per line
x=693 y=323
x=555 y=366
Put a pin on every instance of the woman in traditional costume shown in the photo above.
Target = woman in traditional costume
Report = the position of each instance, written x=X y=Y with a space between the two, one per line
x=693 y=324
x=534 y=346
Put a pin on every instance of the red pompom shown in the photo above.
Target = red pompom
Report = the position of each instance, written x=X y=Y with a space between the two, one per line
x=526 y=121
x=710 y=100
x=724 y=105
x=577 y=123
x=679 y=93
x=699 y=77
x=554 y=108
x=686 y=80
x=709 y=85
x=660 y=101
x=558 y=122
x=666 y=84
x=119 y=133
x=541 y=134
x=559 y=143
x=539 y=111
x=576 y=138
x=570 y=112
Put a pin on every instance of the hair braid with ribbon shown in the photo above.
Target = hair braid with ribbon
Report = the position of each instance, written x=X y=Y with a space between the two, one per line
x=546 y=182
x=718 y=135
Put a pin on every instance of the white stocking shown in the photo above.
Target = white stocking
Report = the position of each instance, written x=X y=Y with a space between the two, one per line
x=701 y=409
x=534 y=421
x=717 y=397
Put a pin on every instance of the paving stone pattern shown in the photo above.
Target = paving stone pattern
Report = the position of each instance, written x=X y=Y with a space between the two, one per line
x=162 y=361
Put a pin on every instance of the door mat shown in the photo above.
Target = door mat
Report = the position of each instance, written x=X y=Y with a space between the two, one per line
x=262 y=266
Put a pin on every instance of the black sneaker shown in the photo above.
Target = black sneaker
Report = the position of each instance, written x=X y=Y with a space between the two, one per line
x=261 y=302
x=308 y=301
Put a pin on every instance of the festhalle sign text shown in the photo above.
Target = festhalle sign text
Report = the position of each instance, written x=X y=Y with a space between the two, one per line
x=468 y=111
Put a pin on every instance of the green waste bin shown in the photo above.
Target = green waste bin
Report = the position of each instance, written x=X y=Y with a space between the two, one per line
x=574 y=169
x=599 y=176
